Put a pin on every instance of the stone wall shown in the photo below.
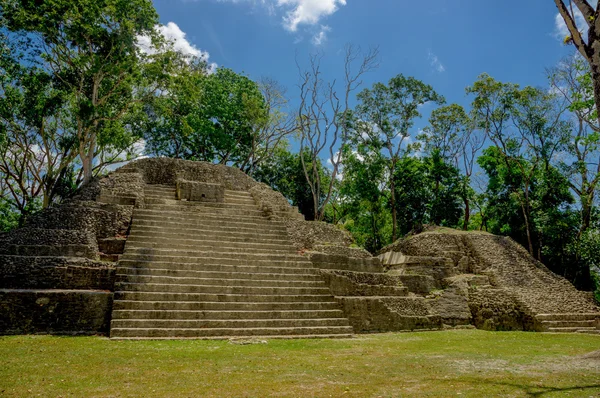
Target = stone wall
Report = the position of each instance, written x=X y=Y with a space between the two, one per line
x=378 y=315
x=19 y=272
x=348 y=283
x=494 y=309
x=54 y=311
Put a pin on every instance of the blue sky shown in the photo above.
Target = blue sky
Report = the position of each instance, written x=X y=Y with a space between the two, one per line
x=445 y=43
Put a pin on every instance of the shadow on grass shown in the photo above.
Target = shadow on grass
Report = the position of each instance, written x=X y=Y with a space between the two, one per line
x=537 y=390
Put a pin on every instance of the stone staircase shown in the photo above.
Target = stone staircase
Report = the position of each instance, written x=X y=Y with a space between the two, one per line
x=217 y=270
x=569 y=323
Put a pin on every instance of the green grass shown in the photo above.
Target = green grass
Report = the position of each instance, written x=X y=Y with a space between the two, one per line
x=453 y=363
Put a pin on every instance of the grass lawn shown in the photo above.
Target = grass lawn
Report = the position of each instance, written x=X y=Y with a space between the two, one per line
x=452 y=363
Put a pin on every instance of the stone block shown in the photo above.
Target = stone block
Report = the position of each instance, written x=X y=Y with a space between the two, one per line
x=55 y=273
x=194 y=191
x=347 y=283
x=338 y=262
x=112 y=245
x=373 y=315
x=54 y=312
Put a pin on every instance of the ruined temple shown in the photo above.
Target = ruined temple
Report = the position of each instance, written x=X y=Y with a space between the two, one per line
x=166 y=248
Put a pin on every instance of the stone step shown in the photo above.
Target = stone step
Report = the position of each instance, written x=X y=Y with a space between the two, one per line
x=172 y=306
x=157 y=234
x=166 y=194
x=219 y=289
x=234 y=338
x=237 y=332
x=179 y=280
x=185 y=205
x=206 y=244
x=200 y=208
x=240 y=200
x=567 y=317
x=253 y=275
x=569 y=323
x=595 y=331
x=243 y=229
x=223 y=265
x=245 y=194
x=187 y=314
x=571 y=329
x=224 y=323
x=197 y=256
x=223 y=298
x=200 y=218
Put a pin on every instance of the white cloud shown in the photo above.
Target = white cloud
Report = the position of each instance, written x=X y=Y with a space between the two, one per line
x=178 y=42
x=321 y=37
x=297 y=13
x=307 y=12
x=435 y=62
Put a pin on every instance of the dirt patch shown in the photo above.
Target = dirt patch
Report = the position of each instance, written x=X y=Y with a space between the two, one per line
x=594 y=355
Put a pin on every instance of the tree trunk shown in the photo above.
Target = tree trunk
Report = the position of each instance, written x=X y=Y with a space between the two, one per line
x=528 y=230
x=87 y=161
x=467 y=214
x=586 y=213
x=394 y=215
x=596 y=79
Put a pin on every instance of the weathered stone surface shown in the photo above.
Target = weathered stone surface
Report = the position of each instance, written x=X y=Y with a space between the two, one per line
x=339 y=250
x=195 y=191
x=54 y=311
x=494 y=309
x=50 y=251
x=273 y=204
x=505 y=288
x=452 y=306
x=326 y=261
x=55 y=273
x=418 y=284
x=348 y=283
x=112 y=245
x=374 y=314
x=36 y=236
x=305 y=235
x=166 y=171
x=103 y=220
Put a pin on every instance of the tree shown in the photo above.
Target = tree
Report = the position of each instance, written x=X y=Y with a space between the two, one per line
x=324 y=117
x=208 y=117
x=363 y=197
x=527 y=128
x=572 y=80
x=384 y=117
x=271 y=131
x=452 y=134
x=35 y=148
x=283 y=171
x=90 y=49
x=589 y=47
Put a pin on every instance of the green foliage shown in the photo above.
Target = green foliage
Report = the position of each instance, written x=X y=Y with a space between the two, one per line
x=427 y=190
x=208 y=117
x=364 y=204
x=9 y=216
x=90 y=50
x=283 y=172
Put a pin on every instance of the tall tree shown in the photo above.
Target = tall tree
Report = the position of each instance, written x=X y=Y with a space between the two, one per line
x=572 y=79
x=90 y=48
x=452 y=134
x=209 y=117
x=385 y=115
x=588 y=47
x=324 y=117
x=527 y=128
